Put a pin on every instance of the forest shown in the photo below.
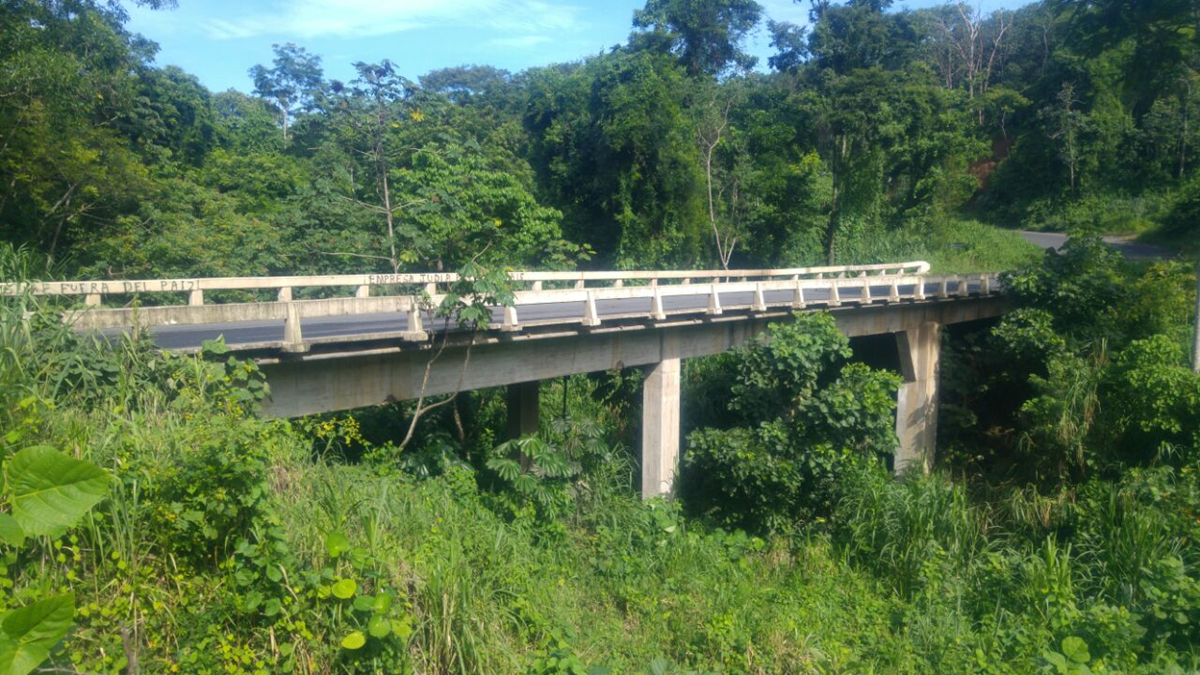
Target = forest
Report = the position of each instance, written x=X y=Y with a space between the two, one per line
x=154 y=521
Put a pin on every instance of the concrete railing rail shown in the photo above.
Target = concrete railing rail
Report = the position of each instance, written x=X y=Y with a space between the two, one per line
x=769 y=294
x=94 y=291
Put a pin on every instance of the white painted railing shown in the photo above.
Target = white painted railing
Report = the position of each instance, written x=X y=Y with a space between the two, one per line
x=94 y=291
x=773 y=290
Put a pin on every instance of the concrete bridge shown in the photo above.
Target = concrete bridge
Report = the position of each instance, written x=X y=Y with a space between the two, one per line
x=339 y=353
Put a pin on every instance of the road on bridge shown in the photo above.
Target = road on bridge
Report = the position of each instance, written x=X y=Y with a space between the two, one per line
x=260 y=332
x=1133 y=250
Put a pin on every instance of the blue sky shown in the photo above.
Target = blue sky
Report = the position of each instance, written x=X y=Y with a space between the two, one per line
x=218 y=40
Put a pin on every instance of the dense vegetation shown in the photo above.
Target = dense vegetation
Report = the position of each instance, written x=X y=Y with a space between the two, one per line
x=153 y=522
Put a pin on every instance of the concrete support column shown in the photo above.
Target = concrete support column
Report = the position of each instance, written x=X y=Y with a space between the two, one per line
x=917 y=402
x=660 y=427
x=522 y=399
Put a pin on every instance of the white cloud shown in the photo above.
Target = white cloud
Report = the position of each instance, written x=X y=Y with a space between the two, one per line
x=354 y=18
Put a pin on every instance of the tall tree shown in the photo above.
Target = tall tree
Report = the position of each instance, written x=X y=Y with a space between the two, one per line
x=707 y=35
x=290 y=82
x=364 y=115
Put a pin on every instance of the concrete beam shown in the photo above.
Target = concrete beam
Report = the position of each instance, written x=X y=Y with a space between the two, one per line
x=917 y=401
x=327 y=382
x=660 y=428
x=522 y=400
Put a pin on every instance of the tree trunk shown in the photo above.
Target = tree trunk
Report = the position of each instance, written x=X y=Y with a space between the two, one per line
x=1196 y=321
x=831 y=237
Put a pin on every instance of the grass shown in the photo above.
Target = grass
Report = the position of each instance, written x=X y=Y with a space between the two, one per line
x=950 y=246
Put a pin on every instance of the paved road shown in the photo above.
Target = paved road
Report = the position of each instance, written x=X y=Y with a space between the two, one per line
x=1131 y=249
x=188 y=337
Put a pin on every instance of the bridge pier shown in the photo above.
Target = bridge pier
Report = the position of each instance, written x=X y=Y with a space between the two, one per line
x=522 y=400
x=660 y=427
x=917 y=401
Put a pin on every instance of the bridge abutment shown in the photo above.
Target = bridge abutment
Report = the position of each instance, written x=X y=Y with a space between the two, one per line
x=917 y=401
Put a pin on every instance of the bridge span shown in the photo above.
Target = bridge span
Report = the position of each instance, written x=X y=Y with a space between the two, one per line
x=340 y=353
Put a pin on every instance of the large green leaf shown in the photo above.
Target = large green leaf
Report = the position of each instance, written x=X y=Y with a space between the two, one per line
x=10 y=532
x=29 y=633
x=51 y=491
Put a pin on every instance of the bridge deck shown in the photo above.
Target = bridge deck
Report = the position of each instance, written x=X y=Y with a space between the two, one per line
x=268 y=334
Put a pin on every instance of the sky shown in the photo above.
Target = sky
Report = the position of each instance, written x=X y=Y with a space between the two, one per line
x=218 y=40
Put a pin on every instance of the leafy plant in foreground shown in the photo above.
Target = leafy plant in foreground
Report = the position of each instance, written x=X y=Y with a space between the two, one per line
x=47 y=492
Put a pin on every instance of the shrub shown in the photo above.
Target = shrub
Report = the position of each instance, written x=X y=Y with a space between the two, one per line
x=1080 y=285
x=801 y=423
x=1155 y=401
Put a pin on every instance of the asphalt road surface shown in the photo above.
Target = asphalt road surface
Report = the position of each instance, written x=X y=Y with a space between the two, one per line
x=1128 y=247
x=189 y=337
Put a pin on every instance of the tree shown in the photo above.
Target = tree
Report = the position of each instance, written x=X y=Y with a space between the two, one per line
x=849 y=116
x=707 y=35
x=363 y=118
x=791 y=45
x=291 y=81
x=614 y=148
x=851 y=36
x=974 y=44
x=1064 y=124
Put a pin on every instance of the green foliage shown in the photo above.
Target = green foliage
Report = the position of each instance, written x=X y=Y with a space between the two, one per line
x=913 y=531
x=49 y=491
x=1065 y=542
x=799 y=424
x=29 y=633
x=707 y=36
x=1156 y=401
x=1079 y=285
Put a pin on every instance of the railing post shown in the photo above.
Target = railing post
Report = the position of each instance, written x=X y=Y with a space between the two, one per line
x=196 y=297
x=656 y=306
x=415 y=325
x=943 y=289
x=686 y=281
x=590 y=316
x=964 y=288
x=431 y=289
x=285 y=294
x=760 y=303
x=714 y=300
x=293 y=338
x=91 y=300
x=798 y=297
x=619 y=283
x=919 y=289
x=579 y=285
x=894 y=291
x=511 y=323
x=866 y=290
x=985 y=284
x=364 y=291
x=835 y=296
x=537 y=285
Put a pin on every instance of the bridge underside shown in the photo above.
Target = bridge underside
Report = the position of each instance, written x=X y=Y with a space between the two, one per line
x=371 y=374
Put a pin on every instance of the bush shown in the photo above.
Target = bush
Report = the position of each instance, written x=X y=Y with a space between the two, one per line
x=802 y=420
x=1155 y=400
